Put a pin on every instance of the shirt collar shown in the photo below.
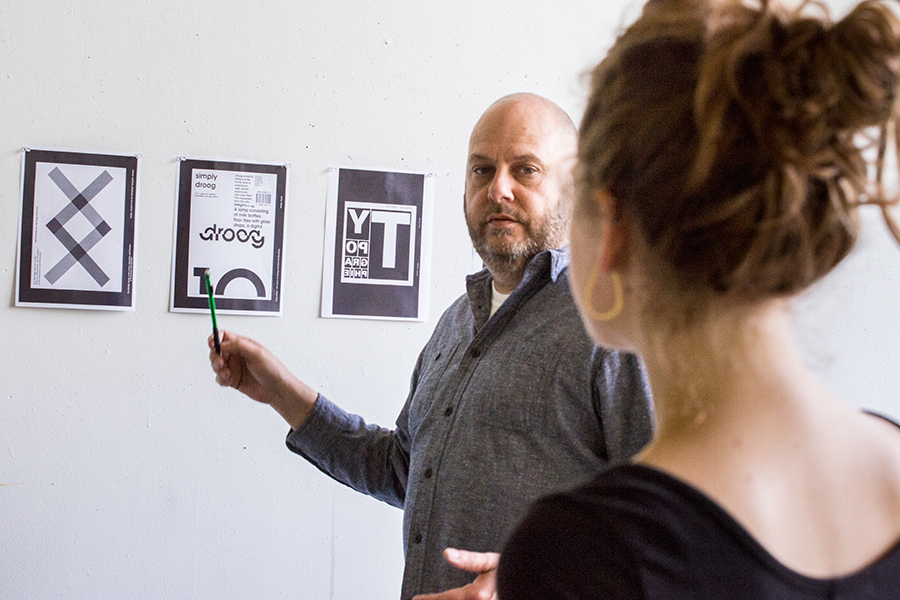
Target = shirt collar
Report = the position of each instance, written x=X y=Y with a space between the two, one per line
x=545 y=267
x=552 y=262
x=559 y=262
x=556 y=260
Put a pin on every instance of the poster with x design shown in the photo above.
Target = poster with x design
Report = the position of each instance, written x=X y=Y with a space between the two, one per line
x=77 y=230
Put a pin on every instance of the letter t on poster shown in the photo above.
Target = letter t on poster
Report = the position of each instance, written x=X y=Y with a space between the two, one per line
x=230 y=220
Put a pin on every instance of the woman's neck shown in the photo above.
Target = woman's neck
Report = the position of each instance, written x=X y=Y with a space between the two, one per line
x=728 y=372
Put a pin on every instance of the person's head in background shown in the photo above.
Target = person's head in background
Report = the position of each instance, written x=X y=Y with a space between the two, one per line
x=519 y=184
x=723 y=155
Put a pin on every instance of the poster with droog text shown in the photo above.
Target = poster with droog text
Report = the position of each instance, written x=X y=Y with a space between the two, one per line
x=229 y=221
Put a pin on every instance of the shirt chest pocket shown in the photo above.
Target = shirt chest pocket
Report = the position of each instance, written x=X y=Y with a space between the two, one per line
x=432 y=382
x=521 y=394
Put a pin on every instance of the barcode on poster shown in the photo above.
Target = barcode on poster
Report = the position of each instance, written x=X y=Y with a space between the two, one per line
x=264 y=197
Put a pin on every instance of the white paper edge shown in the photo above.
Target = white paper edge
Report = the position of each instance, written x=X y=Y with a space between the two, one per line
x=427 y=245
x=174 y=235
x=284 y=244
x=18 y=274
x=330 y=237
x=134 y=251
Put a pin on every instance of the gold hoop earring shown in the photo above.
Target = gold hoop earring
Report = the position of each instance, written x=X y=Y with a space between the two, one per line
x=618 y=297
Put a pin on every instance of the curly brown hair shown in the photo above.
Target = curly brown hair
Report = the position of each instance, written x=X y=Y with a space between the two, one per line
x=742 y=136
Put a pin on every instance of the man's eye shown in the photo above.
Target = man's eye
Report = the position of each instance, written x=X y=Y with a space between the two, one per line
x=528 y=170
x=481 y=170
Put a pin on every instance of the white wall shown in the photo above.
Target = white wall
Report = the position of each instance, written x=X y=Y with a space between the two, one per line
x=125 y=472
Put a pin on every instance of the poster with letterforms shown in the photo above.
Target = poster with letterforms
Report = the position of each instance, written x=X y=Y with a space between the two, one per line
x=377 y=245
x=77 y=230
x=230 y=220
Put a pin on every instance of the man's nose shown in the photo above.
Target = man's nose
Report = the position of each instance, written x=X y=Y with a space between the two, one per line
x=501 y=188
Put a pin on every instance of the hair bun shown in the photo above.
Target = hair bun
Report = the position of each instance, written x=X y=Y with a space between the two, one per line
x=805 y=86
x=798 y=90
x=865 y=48
x=739 y=134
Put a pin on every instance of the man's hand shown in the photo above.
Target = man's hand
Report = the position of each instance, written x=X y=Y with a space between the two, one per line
x=248 y=367
x=485 y=585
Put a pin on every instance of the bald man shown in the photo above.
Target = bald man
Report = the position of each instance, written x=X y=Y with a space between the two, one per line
x=509 y=399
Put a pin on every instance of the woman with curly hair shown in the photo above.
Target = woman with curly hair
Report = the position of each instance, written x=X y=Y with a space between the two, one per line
x=724 y=154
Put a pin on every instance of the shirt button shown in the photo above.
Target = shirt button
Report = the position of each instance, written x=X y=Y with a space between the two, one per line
x=475 y=353
x=428 y=473
x=418 y=539
x=449 y=411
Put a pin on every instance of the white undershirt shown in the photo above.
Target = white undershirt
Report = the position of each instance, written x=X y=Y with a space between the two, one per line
x=497 y=299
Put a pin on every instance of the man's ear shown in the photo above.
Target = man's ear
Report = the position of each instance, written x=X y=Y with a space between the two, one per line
x=614 y=233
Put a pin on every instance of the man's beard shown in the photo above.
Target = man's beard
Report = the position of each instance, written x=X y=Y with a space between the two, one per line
x=547 y=233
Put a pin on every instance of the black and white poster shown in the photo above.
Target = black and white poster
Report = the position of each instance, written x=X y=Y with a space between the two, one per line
x=230 y=220
x=377 y=245
x=77 y=230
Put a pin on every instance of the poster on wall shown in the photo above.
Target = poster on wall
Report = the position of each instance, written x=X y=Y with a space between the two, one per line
x=377 y=245
x=230 y=220
x=77 y=230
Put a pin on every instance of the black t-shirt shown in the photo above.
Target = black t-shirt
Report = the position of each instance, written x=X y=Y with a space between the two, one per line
x=635 y=532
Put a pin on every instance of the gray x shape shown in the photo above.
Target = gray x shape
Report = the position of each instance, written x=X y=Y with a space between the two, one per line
x=78 y=202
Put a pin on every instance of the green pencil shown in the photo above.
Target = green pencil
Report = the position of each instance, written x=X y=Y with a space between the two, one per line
x=212 y=311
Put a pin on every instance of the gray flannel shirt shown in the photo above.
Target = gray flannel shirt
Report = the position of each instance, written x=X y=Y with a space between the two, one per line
x=502 y=409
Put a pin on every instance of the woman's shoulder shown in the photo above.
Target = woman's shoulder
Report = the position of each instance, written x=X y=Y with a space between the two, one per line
x=637 y=532
x=574 y=544
x=600 y=540
x=878 y=466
